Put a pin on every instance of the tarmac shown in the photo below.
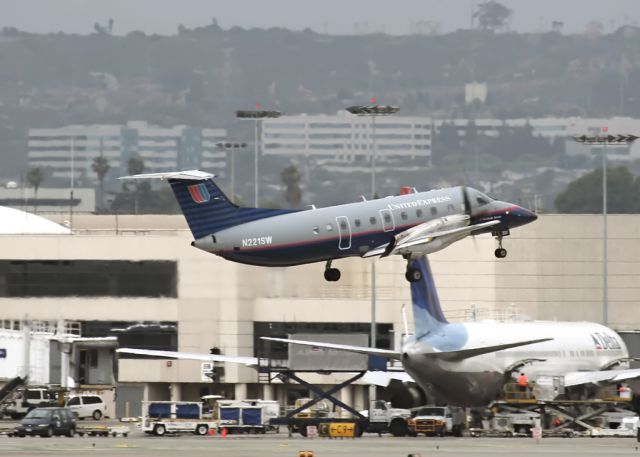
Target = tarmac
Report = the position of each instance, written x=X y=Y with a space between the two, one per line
x=280 y=445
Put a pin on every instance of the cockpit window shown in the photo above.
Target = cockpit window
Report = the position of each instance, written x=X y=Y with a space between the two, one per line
x=482 y=199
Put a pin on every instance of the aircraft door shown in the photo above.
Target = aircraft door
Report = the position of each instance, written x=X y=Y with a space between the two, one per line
x=344 y=230
x=388 y=223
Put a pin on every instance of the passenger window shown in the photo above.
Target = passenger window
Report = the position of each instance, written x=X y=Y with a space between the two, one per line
x=372 y=220
x=481 y=200
x=343 y=225
x=450 y=208
x=357 y=222
x=403 y=215
x=419 y=212
x=434 y=210
x=316 y=230
x=329 y=228
x=74 y=401
x=387 y=217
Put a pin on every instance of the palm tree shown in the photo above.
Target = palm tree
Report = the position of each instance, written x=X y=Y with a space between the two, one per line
x=35 y=176
x=135 y=166
x=100 y=167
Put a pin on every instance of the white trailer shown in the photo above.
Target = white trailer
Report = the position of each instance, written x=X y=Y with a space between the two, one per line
x=162 y=417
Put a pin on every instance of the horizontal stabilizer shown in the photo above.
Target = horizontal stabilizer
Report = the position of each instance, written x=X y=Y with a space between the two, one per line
x=249 y=361
x=340 y=347
x=188 y=175
x=461 y=354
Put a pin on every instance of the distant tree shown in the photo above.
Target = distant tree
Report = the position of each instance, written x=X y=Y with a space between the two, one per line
x=135 y=165
x=492 y=15
x=290 y=177
x=35 y=177
x=584 y=195
x=100 y=167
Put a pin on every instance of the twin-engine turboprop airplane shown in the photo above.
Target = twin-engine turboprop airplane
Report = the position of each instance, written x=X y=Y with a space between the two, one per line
x=467 y=364
x=408 y=225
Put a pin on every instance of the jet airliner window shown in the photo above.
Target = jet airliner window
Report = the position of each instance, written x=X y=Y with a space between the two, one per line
x=419 y=212
x=357 y=222
x=403 y=215
x=481 y=200
x=329 y=227
x=450 y=208
x=434 y=210
x=343 y=225
x=387 y=218
x=372 y=220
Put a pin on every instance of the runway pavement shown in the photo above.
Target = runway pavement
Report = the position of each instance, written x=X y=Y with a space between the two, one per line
x=279 y=445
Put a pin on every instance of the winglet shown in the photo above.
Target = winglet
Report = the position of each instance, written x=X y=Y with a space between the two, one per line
x=187 y=175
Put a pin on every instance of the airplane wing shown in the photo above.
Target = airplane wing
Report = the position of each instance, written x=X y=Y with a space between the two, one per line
x=462 y=354
x=600 y=377
x=188 y=175
x=340 y=347
x=249 y=361
x=427 y=238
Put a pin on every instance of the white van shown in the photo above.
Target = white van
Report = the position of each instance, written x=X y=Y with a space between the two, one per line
x=87 y=406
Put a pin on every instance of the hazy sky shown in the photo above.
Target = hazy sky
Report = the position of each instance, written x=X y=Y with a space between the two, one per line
x=332 y=16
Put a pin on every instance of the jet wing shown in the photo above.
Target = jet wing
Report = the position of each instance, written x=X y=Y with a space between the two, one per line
x=576 y=378
x=249 y=361
x=410 y=242
x=188 y=175
x=341 y=347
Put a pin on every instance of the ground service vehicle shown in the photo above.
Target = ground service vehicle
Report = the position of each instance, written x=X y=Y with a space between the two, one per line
x=87 y=406
x=47 y=422
x=248 y=416
x=383 y=418
x=380 y=418
x=162 y=417
x=437 y=421
x=24 y=400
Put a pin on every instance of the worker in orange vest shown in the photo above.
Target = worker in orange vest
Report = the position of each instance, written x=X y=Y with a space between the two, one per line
x=523 y=382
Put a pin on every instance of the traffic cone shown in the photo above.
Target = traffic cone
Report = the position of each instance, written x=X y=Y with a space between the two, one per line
x=224 y=433
x=212 y=432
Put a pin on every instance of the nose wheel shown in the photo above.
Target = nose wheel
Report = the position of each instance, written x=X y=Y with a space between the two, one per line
x=331 y=274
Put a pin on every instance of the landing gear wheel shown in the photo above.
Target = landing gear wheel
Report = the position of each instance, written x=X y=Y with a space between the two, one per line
x=413 y=275
x=500 y=253
x=332 y=274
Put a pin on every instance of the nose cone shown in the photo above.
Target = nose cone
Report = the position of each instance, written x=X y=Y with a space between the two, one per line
x=522 y=216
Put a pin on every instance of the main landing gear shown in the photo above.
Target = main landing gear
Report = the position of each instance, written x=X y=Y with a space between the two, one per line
x=412 y=274
x=331 y=274
x=500 y=252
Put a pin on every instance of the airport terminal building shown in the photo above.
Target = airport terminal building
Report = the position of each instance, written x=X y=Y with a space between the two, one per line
x=138 y=278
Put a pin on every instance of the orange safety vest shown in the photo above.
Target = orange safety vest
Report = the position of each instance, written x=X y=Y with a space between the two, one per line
x=523 y=381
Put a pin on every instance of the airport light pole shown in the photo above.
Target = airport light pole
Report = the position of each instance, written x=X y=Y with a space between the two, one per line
x=232 y=147
x=372 y=111
x=256 y=115
x=605 y=140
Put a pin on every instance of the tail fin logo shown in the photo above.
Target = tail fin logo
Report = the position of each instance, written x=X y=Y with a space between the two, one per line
x=199 y=193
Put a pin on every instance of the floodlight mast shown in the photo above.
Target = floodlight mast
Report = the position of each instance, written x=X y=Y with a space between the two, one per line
x=372 y=111
x=231 y=147
x=604 y=140
x=256 y=115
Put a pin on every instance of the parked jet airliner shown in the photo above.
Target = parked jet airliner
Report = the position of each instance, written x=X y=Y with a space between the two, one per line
x=467 y=364
x=409 y=225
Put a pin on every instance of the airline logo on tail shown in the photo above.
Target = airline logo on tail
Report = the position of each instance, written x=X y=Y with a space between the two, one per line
x=199 y=193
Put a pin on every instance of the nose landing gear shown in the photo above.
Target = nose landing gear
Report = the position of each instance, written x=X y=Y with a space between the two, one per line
x=331 y=274
x=500 y=252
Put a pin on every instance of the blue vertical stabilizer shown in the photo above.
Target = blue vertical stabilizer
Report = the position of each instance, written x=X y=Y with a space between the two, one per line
x=427 y=312
x=208 y=210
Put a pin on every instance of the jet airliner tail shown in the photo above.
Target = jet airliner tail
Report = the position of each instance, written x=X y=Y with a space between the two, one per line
x=427 y=312
x=205 y=207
